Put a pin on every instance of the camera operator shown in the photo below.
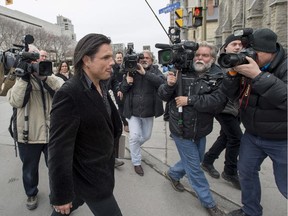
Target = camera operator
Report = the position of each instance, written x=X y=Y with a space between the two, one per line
x=31 y=99
x=230 y=133
x=142 y=104
x=201 y=99
x=261 y=86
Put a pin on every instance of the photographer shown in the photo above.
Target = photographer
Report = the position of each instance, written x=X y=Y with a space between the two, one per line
x=141 y=104
x=31 y=99
x=200 y=100
x=261 y=87
x=230 y=133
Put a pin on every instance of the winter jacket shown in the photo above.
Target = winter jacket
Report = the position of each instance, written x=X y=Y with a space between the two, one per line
x=205 y=99
x=81 y=146
x=35 y=97
x=263 y=112
x=141 y=98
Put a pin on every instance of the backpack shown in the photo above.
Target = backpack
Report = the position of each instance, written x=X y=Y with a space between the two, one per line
x=7 y=79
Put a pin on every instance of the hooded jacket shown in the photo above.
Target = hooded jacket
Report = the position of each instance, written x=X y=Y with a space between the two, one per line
x=263 y=112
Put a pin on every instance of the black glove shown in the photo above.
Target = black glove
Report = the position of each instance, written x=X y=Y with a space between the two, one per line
x=21 y=71
x=26 y=77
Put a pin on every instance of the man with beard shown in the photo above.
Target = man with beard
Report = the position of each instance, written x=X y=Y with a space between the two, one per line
x=141 y=105
x=200 y=100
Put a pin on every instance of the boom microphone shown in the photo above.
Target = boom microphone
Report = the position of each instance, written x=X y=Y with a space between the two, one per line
x=162 y=46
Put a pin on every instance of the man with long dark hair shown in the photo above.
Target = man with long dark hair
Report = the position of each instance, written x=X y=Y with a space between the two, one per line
x=84 y=126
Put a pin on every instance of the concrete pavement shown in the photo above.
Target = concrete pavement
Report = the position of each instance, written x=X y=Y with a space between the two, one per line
x=136 y=196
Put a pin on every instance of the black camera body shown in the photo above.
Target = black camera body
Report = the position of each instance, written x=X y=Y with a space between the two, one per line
x=180 y=54
x=130 y=61
x=229 y=60
x=19 y=58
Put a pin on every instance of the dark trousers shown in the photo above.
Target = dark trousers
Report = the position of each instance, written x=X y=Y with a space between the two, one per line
x=121 y=109
x=104 y=207
x=30 y=155
x=253 y=152
x=229 y=139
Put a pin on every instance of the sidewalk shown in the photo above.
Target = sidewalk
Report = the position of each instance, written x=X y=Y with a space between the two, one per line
x=160 y=152
x=136 y=196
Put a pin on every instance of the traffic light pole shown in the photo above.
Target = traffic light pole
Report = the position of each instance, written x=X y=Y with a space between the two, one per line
x=204 y=26
x=184 y=31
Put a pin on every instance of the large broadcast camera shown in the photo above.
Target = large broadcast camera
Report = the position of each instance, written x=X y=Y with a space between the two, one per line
x=25 y=61
x=130 y=60
x=180 y=54
x=229 y=60
x=17 y=62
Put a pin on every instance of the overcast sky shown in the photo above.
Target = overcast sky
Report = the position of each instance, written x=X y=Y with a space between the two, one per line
x=122 y=20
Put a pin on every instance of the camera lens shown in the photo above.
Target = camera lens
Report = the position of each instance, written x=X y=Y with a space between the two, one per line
x=165 y=56
x=229 y=60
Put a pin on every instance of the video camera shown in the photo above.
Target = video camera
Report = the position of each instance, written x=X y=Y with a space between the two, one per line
x=180 y=54
x=130 y=60
x=229 y=60
x=19 y=58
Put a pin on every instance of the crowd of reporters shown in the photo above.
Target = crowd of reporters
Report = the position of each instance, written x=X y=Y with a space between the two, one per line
x=194 y=97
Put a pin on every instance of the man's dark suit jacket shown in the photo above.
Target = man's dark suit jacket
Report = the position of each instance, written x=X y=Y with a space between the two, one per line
x=82 y=136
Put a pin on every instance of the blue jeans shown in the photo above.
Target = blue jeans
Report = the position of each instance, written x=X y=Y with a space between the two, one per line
x=253 y=151
x=191 y=153
x=30 y=155
x=103 y=207
x=140 y=130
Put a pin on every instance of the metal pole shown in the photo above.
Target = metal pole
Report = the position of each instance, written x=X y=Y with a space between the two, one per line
x=204 y=25
x=184 y=31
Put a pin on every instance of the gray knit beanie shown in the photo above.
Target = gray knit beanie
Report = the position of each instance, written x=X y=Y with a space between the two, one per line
x=264 y=40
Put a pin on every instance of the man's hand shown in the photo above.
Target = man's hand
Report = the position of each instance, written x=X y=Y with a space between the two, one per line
x=250 y=70
x=172 y=78
x=63 y=209
x=140 y=69
x=129 y=79
x=120 y=95
x=39 y=77
x=181 y=101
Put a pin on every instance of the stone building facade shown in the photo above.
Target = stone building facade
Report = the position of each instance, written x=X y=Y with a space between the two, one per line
x=224 y=16
x=235 y=14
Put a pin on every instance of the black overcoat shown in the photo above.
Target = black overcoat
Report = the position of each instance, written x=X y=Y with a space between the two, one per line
x=82 y=136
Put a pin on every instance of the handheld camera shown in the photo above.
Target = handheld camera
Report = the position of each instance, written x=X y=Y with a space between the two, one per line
x=229 y=60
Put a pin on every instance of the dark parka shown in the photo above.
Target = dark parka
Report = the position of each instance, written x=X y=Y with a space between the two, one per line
x=205 y=99
x=141 y=98
x=264 y=111
x=82 y=136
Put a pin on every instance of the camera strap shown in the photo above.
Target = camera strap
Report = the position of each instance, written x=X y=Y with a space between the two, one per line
x=246 y=91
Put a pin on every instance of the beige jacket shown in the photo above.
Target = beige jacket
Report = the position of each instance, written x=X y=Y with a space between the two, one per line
x=38 y=119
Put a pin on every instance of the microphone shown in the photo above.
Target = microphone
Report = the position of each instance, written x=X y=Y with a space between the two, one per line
x=162 y=46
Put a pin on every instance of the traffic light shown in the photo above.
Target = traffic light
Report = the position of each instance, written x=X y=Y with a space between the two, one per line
x=197 y=17
x=179 y=20
x=8 y=2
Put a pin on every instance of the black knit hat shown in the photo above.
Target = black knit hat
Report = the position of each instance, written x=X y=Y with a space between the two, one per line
x=231 y=38
x=264 y=40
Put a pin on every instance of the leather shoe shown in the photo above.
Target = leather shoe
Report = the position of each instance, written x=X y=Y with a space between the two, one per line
x=118 y=163
x=210 y=169
x=175 y=184
x=233 y=179
x=139 y=170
